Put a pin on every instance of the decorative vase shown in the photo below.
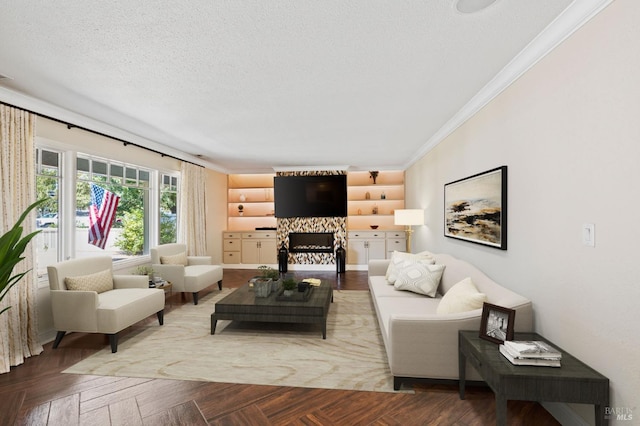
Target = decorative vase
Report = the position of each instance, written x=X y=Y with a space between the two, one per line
x=275 y=285
x=262 y=287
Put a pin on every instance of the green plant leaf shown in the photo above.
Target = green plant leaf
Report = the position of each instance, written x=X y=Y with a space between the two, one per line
x=11 y=248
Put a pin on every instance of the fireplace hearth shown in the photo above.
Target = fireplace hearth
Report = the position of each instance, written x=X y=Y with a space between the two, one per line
x=311 y=242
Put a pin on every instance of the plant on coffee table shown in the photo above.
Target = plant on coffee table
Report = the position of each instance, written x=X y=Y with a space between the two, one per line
x=289 y=286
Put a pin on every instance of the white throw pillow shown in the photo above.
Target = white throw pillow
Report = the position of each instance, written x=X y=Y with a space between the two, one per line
x=176 y=259
x=462 y=297
x=420 y=277
x=99 y=282
x=401 y=259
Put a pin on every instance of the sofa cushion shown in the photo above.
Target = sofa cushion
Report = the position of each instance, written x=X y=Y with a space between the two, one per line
x=176 y=259
x=419 y=277
x=462 y=297
x=99 y=282
x=401 y=259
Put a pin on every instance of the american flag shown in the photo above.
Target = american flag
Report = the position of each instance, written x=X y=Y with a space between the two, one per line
x=102 y=213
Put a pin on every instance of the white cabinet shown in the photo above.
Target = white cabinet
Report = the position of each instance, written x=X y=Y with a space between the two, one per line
x=259 y=247
x=396 y=241
x=231 y=247
x=364 y=246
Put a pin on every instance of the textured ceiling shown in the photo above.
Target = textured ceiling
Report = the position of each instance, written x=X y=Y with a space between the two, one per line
x=252 y=85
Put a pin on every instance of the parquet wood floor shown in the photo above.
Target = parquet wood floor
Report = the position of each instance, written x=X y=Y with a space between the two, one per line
x=38 y=393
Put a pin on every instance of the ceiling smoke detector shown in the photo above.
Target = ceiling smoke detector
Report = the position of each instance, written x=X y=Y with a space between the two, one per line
x=473 y=6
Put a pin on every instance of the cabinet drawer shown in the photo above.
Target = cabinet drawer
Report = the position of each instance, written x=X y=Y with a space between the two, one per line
x=258 y=235
x=365 y=235
x=396 y=234
x=396 y=245
x=231 y=257
x=231 y=244
x=231 y=235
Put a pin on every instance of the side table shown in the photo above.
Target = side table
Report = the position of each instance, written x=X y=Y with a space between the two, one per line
x=167 y=287
x=573 y=382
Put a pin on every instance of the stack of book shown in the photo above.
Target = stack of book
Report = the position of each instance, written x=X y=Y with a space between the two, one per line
x=534 y=352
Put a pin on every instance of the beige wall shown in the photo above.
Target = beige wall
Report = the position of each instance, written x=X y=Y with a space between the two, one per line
x=569 y=132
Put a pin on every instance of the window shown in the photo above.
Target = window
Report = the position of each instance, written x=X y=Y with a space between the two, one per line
x=48 y=177
x=129 y=235
x=168 y=209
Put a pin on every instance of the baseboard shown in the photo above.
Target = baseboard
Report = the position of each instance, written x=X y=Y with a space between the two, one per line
x=562 y=413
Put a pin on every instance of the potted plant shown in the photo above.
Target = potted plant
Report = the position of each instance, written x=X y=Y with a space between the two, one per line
x=268 y=273
x=145 y=270
x=11 y=249
x=262 y=283
x=289 y=286
x=240 y=209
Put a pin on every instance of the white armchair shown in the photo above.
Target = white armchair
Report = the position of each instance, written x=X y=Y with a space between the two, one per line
x=186 y=273
x=87 y=297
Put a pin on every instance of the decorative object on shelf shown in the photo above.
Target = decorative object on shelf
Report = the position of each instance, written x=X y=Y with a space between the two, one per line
x=289 y=286
x=242 y=198
x=240 y=209
x=383 y=196
x=374 y=226
x=496 y=323
x=374 y=210
x=11 y=249
x=408 y=217
x=475 y=208
x=374 y=176
x=367 y=196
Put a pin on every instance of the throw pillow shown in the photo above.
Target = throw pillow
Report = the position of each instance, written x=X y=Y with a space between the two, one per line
x=176 y=259
x=99 y=282
x=462 y=297
x=420 y=277
x=401 y=259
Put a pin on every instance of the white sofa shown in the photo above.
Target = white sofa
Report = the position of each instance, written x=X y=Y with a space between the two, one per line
x=421 y=343
x=192 y=274
x=96 y=301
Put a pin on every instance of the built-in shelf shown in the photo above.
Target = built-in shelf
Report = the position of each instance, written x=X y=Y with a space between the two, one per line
x=374 y=204
x=255 y=193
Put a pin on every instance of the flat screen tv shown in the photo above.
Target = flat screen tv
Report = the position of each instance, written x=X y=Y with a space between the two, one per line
x=310 y=196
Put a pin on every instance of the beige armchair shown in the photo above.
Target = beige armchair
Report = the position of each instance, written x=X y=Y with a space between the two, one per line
x=86 y=297
x=186 y=273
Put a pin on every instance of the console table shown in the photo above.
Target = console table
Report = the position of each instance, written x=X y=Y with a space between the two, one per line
x=573 y=382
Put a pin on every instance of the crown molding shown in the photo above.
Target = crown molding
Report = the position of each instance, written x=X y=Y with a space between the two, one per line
x=570 y=20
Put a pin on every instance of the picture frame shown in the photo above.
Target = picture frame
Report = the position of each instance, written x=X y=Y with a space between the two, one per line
x=497 y=323
x=475 y=208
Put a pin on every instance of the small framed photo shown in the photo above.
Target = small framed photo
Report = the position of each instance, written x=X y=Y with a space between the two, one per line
x=497 y=323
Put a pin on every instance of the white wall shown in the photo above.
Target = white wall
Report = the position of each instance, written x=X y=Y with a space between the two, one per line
x=569 y=131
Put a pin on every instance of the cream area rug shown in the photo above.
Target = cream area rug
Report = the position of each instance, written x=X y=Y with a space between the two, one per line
x=352 y=356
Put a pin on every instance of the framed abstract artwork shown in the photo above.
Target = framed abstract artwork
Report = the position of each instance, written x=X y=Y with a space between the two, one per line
x=475 y=208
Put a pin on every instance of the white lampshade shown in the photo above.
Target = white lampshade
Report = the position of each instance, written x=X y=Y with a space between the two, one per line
x=409 y=217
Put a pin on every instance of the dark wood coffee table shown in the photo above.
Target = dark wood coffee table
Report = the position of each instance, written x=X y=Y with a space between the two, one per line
x=243 y=305
x=574 y=381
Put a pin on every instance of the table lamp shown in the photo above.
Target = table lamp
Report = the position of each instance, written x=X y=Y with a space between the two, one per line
x=408 y=217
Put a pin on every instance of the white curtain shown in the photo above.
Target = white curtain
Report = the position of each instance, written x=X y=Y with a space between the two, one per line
x=18 y=325
x=191 y=217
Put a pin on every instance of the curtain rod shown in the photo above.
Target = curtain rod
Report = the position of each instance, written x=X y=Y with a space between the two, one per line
x=124 y=142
